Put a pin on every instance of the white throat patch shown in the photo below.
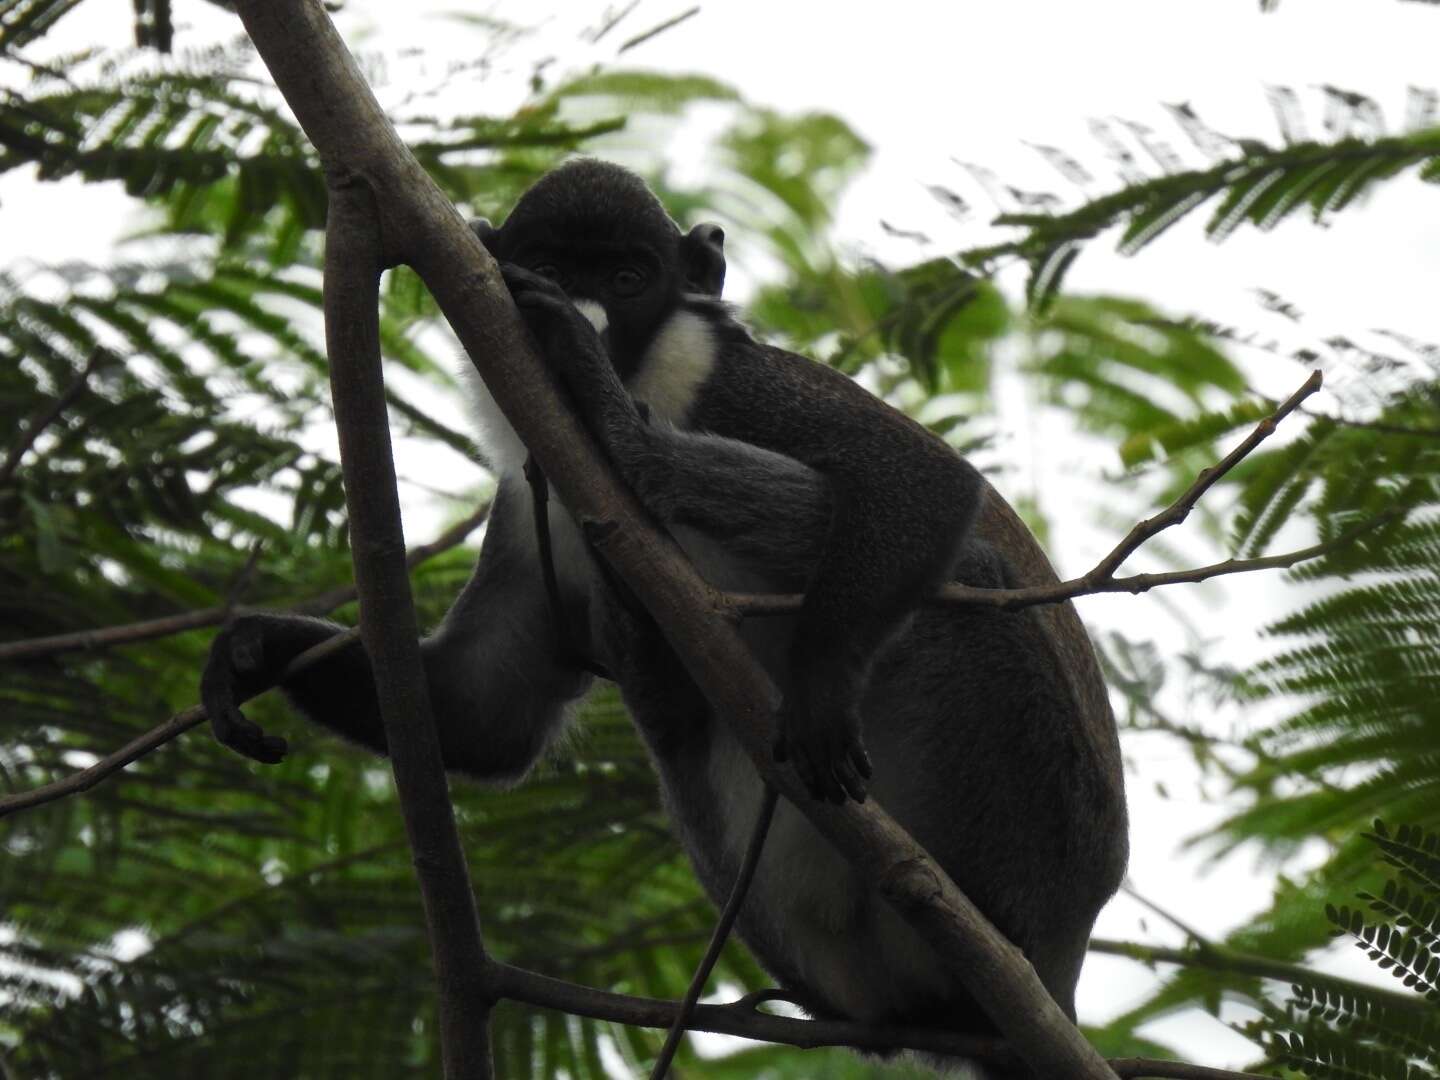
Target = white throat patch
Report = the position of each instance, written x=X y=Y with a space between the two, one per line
x=594 y=314
x=504 y=452
x=677 y=363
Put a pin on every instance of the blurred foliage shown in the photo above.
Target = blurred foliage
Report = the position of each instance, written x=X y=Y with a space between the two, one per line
x=1243 y=181
x=1370 y=1033
x=200 y=915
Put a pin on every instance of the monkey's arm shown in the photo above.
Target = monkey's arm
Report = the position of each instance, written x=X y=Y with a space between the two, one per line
x=497 y=689
x=766 y=509
x=902 y=504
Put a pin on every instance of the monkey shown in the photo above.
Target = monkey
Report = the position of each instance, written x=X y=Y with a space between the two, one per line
x=987 y=734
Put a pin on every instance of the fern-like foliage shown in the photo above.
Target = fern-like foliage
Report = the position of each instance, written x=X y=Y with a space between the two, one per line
x=1354 y=1032
x=1254 y=183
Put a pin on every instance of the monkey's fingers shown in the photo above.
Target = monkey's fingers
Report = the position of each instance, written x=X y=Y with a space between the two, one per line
x=230 y=726
x=244 y=736
x=528 y=288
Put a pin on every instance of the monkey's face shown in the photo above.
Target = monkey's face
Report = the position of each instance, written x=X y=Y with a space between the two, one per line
x=600 y=233
x=626 y=285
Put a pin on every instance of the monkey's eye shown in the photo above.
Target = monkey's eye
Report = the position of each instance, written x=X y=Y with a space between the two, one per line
x=627 y=281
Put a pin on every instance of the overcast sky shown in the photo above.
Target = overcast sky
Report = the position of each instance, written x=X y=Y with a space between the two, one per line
x=926 y=84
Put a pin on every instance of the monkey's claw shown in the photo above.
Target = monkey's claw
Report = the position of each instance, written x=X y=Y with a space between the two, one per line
x=824 y=746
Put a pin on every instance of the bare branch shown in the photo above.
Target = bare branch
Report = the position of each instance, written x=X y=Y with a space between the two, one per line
x=1200 y=940
x=153 y=739
x=738 y=891
x=48 y=414
x=169 y=625
x=1180 y=509
x=656 y=31
x=741 y=1018
x=1101 y=579
x=1012 y=599
x=611 y=20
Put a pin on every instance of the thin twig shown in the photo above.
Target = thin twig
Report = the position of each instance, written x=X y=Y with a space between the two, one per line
x=656 y=31
x=168 y=625
x=718 y=937
x=1101 y=578
x=153 y=739
x=242 y=581
x=47 y=414
x=612 y=20
x=186 y=719
x=1201 y=941
x=1180 y=509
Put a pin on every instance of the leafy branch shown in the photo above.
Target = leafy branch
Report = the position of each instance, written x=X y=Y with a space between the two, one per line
x=1343 y=1030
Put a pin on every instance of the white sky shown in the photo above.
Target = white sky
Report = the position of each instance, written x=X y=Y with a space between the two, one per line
x=926 y=83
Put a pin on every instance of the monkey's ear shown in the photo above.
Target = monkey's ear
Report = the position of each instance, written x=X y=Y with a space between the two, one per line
x=702 y=259
x=484 y=230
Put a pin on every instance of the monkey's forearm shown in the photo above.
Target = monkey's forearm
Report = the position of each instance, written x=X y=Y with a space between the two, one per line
x=889 y=545
x=767 y=509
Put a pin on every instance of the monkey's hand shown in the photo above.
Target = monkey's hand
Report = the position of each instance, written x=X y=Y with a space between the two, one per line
x=819 y=731
x=247 y=658
x=574 y=350
x=235 y=672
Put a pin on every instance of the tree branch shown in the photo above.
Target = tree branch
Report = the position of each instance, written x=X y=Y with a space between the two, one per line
x=156 y=737
x=169 y=625
x=1101 y=578
x=741 y=1018
x=1180 y=509
x=354 y=260
x=419 y=226
x=183 y=721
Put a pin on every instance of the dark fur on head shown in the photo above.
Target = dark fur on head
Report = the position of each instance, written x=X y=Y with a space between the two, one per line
x=588 y=203
x=586 y=196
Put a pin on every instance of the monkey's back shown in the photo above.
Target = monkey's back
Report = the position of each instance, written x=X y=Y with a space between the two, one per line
x=993 y=743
